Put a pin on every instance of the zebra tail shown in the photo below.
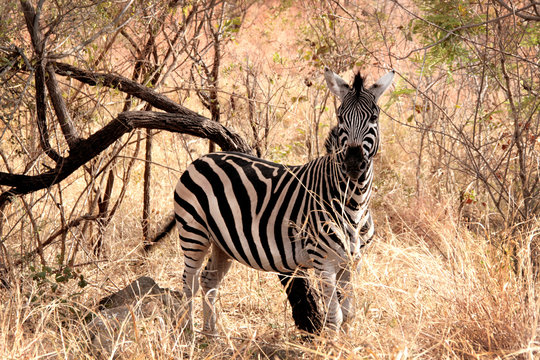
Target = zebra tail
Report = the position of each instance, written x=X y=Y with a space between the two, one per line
x=161 y=234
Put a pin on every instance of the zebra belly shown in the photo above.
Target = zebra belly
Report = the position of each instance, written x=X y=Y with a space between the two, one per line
x=254 y=243
x=248 y=248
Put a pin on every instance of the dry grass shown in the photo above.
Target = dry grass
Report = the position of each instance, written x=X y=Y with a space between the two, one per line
x=428 y=288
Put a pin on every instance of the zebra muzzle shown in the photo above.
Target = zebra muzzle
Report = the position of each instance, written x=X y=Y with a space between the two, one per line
x=355 y=163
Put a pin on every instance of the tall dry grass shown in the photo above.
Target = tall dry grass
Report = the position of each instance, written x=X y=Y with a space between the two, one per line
x=428 y=288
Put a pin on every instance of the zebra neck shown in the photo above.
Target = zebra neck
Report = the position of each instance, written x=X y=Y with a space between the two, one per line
x=353 y=194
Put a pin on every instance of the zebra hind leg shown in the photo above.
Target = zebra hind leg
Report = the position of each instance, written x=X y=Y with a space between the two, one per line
x=217 y=266
x=193 y=261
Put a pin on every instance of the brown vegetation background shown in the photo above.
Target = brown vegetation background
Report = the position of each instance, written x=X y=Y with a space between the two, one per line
x=103 y=104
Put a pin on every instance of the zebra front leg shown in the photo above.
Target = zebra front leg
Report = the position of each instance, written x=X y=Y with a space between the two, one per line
x=334 y=315
x=345 y=292
x=214 y=272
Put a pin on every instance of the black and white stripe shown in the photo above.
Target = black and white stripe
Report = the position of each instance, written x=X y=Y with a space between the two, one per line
x=281 y=218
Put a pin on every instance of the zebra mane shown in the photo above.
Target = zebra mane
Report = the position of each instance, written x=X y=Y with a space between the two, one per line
x=358 y=83
x=332 y=141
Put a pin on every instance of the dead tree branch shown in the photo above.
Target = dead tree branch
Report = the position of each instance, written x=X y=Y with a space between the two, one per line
x=45 y=73
x=87 y=149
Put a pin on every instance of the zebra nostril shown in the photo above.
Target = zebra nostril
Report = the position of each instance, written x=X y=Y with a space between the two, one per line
x=354 y=154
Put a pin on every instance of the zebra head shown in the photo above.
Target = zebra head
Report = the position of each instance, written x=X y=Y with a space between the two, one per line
x=356 y=137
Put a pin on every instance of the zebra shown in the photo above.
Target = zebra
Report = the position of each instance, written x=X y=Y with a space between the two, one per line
x=280 y=218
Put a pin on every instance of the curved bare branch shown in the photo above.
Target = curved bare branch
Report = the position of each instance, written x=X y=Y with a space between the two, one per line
x=89 y=148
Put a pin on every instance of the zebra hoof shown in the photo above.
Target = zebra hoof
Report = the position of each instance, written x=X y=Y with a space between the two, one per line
x=210 y=334
x=209 y=329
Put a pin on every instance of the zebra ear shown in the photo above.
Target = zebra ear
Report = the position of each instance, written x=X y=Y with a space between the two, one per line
x=382 y=84
x=336 y=84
